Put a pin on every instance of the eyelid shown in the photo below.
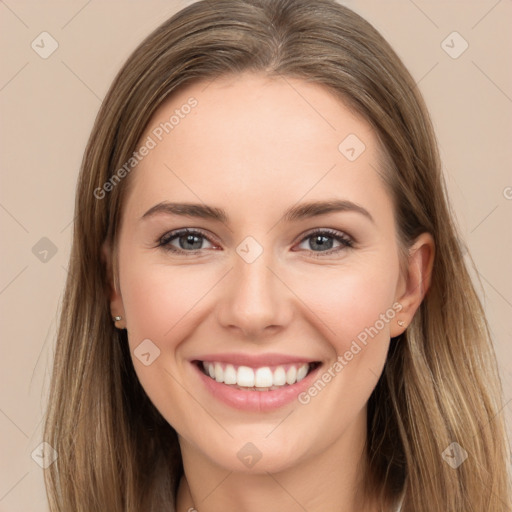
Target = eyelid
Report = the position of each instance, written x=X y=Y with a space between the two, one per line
x=346 y=241
x=330 y=231
x=164 y=240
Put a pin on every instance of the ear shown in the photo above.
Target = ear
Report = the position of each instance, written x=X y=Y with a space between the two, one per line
x=114 y=294
x=415 y=283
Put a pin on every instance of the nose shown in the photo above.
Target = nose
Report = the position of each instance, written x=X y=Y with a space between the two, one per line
x=255 y=301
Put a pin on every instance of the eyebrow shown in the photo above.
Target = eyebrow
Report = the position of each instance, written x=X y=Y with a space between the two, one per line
x=301 y=211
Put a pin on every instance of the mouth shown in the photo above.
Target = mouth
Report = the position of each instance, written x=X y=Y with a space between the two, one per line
x=255 y=383
x=262 y=378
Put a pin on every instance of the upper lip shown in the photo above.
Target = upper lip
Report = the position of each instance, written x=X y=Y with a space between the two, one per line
x=254 y=361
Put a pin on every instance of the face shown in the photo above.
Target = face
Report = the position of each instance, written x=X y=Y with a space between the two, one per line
x=289 y=307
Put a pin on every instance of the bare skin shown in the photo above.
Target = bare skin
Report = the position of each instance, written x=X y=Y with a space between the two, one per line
x=256 y=146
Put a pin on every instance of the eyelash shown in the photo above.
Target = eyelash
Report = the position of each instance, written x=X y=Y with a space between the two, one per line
x=346 y=241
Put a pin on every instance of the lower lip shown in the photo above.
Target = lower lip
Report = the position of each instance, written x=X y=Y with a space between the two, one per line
x=258 y=401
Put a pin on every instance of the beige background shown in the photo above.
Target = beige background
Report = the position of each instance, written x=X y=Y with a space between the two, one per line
x=48 y=107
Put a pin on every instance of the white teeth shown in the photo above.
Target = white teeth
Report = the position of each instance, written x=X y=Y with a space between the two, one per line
x=230 y=374
x=301 y=373
x=245 y=376
x=279 y=377
x=219 y=373
x=263 y=378
x=291 y=375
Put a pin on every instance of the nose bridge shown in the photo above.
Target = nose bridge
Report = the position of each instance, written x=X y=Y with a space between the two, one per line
x=255 y=298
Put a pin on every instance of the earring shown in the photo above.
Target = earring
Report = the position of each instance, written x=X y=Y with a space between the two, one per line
x=117 y=318
x=401 y=323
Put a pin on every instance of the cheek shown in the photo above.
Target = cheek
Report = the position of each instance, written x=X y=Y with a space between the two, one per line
x=162 y=304
x=363 y=304
x=355 y=311
x=351 y=300
x=157 y=298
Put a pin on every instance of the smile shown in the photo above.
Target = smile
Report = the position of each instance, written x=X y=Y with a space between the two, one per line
x=264 y=378
x=255 y=383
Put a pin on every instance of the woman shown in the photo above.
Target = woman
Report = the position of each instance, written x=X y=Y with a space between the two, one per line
x=254 y=369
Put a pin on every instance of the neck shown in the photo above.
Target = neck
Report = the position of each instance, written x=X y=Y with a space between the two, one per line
x=328 y=480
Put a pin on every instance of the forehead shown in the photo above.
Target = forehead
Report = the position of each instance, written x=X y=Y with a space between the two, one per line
x=250 y=109
x=253 y=136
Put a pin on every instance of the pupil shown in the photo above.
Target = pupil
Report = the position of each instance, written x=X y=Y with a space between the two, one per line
x=320 y=242
x=190 y=239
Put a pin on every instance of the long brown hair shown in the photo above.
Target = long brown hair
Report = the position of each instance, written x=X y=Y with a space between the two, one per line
x=440 y=383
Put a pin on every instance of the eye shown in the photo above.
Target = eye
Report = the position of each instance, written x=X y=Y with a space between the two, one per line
x=323 y=239
x=189 y=241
